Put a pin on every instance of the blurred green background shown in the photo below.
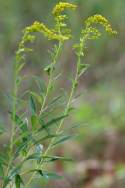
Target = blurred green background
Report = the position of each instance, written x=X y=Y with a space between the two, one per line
x=99 y=151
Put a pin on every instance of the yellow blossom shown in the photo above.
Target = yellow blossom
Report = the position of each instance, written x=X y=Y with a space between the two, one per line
x=61 y=6
x=40 y=27
x=99 y=19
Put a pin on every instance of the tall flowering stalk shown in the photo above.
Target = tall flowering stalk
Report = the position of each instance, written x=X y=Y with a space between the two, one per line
x=29 y=132
x=62 y=29
x=87 y=33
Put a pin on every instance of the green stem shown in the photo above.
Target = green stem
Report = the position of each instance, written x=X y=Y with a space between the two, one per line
x=50 y=77
x=45 y=98
x=65 y=111
x=74 y=83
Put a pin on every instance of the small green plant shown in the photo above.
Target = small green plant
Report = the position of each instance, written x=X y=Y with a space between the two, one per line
x=36 y=130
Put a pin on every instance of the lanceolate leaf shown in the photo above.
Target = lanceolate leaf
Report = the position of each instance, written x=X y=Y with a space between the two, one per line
x=64 y=139
x=18 y=181
x=36 y=156
x=21 y=136
x=37 y=97
x=55 y=100
x=56 y=158
x=13 y=173
x=34 y=121
x=40 y=84
x=20 y=66
x=74 y=126
x=18 y=120
x=49 y=175
x=46 y=138
x=22 y=147
x=53 y=121
x=32 y=105
x=83 y=68
x=24 y=129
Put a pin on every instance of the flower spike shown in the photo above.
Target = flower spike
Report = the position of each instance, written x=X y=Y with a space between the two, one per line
x=61 y=6
x=99 y=19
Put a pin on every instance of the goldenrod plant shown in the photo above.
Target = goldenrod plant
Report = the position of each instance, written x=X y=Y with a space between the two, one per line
x=35 y=129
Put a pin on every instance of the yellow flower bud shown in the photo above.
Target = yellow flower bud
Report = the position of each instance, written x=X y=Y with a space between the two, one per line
x=61 y=6
x=99 y=19
x=41 y=28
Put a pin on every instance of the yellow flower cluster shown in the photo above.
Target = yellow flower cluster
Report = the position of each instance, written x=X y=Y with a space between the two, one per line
x=61 y=6
x=62 y=17
x=40 y=27
x=91 y=33
x=99 y=19
x=28 y=36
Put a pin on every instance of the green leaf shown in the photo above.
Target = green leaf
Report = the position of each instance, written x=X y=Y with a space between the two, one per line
x=12 y=175
x=18 y=181
x=34 y=121
x=83 y=68
x=74 y=126
x=20 y=66
x=46 y=175
x=55 y=100
x=32 y=106
x=52 y=121
x=22 y=147
x=18 y=120
x=56 y=158
x=21 y=136
x=49 y=175
x=64 y=139
x=23 y=127
x=37 y=97
x=49 y=136
x=41 y=84
x=36 y=156
x=15 y=171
